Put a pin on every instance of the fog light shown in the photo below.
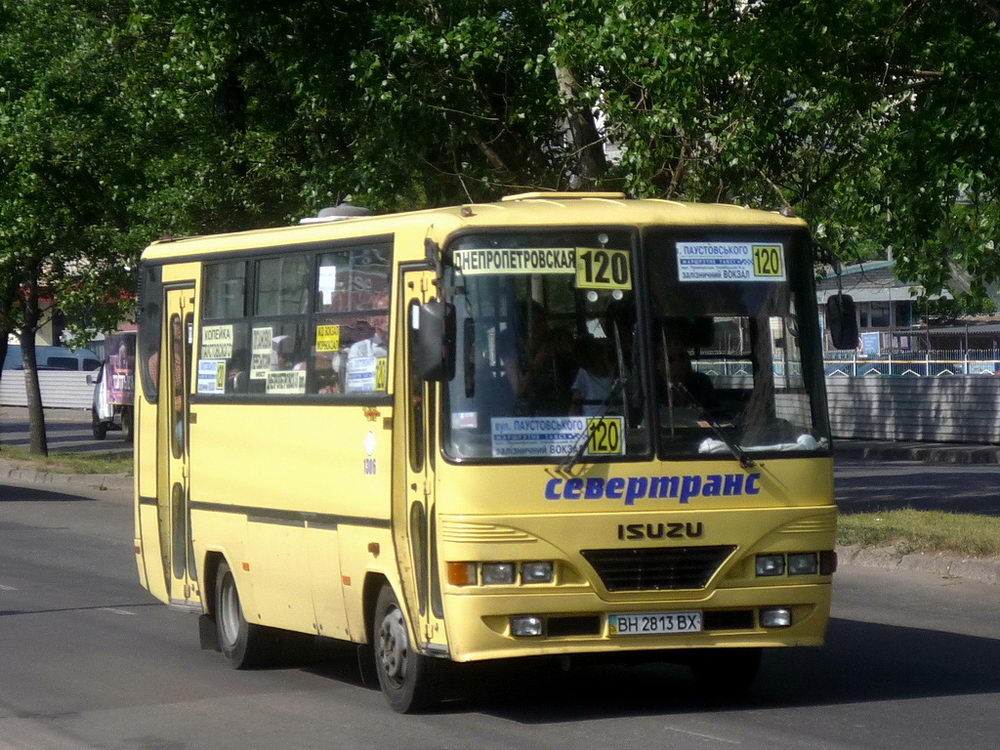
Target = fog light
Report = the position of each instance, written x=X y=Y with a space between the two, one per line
x=776 y=617
x=770 y=565
x=536 y=572
x=525 y=626
x=462 y=573
x=498 y=573
x=802 y=565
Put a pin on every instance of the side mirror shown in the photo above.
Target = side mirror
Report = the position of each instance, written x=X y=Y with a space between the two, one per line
x=842 y=321
x=90 y=379
x=432 y=341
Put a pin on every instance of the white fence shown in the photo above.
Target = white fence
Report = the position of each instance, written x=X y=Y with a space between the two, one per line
x=66 y=389
x=963 y=409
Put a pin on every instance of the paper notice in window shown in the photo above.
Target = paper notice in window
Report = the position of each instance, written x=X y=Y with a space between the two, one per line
x=327 y=338
x=327 y=283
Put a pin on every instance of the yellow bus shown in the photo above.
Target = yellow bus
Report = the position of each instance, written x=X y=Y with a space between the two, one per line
x=562 y=424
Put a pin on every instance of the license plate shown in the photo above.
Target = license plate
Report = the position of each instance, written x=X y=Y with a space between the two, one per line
x=655 y=623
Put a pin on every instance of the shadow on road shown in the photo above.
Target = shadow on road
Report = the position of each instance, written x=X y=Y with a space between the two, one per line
x=56 y=446
x=50 y=427
x=861 y=663
x=10 y=493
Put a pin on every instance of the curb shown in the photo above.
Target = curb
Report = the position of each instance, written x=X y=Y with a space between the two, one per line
x=15 y=473
x=983 y=570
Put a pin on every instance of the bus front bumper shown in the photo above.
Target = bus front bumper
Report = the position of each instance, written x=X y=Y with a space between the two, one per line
x=483 y=625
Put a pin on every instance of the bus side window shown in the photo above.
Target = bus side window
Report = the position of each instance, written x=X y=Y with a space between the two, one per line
x=349 y=350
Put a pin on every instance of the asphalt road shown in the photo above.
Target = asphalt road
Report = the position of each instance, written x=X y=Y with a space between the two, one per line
x=67 y=431
x=873 y=485
x=87 y=659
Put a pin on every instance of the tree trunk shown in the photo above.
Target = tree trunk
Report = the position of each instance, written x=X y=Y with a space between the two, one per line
x=587 y=142
x=39 y=443
x=4 y=336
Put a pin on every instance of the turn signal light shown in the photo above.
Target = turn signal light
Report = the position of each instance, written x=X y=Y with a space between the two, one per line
x=828 y=562
x=462 y=574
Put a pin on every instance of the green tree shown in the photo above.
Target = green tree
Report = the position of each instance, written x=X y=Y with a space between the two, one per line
x=64 y=222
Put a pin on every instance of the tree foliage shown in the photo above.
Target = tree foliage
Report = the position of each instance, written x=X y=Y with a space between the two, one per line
x=121 y=121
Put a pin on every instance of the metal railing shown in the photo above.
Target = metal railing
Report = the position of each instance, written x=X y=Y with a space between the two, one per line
x=926 y=364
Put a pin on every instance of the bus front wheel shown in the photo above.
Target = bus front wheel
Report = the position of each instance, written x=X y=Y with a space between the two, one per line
x=404 y=675
x=244 y=644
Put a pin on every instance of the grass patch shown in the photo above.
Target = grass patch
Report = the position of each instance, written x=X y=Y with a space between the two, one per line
x=72 y=463
x=964 y=534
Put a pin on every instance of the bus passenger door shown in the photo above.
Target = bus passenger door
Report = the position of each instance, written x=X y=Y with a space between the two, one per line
x=423 y=584
x=174 y=512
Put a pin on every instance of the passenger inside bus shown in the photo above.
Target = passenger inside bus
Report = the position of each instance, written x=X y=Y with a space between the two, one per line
x=594 y=378
x=538 y=362
x=687 y=386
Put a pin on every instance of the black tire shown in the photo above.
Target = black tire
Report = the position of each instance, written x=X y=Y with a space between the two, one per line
x=726 y=673
x=244 y=645
x=127 y=425
x=99 y=428
x=405 y=676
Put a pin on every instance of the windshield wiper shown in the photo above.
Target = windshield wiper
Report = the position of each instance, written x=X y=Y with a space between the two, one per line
x=735 y=448
x=583 y=438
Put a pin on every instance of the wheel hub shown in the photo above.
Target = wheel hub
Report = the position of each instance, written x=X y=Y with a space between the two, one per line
x=393 y=646
x=229 y=615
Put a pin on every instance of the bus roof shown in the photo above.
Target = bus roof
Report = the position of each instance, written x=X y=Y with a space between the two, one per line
x=523 y=210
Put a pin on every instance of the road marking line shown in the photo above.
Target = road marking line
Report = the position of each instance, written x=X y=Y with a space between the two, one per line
x=8 y=588
x=118 y=611
x=705 y=736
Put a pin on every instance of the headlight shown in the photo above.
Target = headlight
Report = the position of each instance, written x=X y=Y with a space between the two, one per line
x=498 y=573
x=536 y=572
x=770 y=565
x=802 y=565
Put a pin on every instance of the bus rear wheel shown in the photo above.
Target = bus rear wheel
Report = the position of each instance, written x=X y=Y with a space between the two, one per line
x=404 y=675
x=244 y=644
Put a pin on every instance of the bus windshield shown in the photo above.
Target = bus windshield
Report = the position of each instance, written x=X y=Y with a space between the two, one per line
x=733 y=344
x=556 y=362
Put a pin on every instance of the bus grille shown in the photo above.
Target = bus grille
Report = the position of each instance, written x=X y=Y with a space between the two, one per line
x=653 y=568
